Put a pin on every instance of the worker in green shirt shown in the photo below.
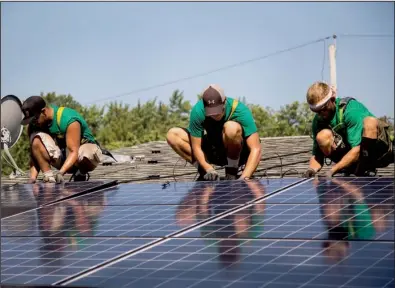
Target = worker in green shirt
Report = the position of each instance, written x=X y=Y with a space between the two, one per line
x=59 y=137
x=231 y=138
x=347 y=133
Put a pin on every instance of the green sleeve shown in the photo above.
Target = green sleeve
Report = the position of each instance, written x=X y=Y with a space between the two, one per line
x=353 y=120
x=243 y=116
x=196 y=120
x=67 y=118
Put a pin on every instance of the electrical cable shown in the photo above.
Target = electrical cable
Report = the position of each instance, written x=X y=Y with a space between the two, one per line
x=212 y=71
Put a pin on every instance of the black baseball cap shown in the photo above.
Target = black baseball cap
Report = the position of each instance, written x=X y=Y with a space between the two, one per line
x=213 y=99
x=31 y=108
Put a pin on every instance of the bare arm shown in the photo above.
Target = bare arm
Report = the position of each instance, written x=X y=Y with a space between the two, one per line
x=254 y=157
x=348 y=159
x=73 y=139
x=33 y=172
x=34 y=169
x=316 y=163
x=198 y=153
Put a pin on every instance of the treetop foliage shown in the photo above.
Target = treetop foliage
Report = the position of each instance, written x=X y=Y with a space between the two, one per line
x=118 y=125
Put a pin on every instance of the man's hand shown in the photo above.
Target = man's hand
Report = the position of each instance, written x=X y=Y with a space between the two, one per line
x=211 y=175
x=73 y=140
x=50 y=178
x=347 y=160
x=329 y=174
x=309 y=173
x=59 y=178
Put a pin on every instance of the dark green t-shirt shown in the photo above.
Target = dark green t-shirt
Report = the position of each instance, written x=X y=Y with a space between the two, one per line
x=69 y=116
x=353 y=117
x=199 y=122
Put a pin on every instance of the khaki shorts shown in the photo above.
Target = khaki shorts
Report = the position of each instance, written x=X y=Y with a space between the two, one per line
x=89 y=151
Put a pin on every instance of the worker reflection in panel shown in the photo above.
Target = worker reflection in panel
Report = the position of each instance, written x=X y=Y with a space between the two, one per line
x=206 y=200
x=348 y=215
x=72 y=219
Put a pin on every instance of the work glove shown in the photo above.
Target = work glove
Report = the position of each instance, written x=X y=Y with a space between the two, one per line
x=328 y=175
x=50 y=178
x=309 y=173
x=211 y=175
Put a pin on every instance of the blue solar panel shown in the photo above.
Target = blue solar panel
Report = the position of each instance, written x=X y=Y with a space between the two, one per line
x=249 y=263
x=266 y=233
x=36 y=260
x=174 y=193
x=22 y=197
x=313 y=192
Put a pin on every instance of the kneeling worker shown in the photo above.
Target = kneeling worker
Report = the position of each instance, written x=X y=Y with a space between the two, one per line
x=59 y=136
x=346 y=132
x=231 y=140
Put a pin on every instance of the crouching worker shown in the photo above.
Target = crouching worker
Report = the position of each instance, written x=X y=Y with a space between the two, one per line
x=347 y=133
x=231 y=138
x=59 y=137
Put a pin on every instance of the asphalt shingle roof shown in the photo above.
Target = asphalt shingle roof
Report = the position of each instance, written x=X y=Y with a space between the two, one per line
x=281 y=155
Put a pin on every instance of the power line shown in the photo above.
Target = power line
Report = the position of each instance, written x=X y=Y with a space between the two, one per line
x=247 y=62
x=366 y=35
x=213 y=71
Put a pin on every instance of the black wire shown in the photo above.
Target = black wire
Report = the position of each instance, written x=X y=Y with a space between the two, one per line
x=212 y=71
x=366 y=35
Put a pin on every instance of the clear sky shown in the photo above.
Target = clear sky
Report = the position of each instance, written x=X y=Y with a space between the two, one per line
x=100 y=50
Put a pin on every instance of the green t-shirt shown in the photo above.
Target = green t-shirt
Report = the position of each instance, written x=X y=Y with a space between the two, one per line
x=199 y=122
x=69 y=116
x=353 y=117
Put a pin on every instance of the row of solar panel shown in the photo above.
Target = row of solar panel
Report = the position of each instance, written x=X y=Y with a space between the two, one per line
x=70 y=231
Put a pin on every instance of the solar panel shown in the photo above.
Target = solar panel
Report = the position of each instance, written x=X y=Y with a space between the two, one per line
x=267 y=233
x=249 y=263
x=42 y=261
x=33 y=195
x=174 y=193
x=290 y=221
x=199 y=204
x=374 y=189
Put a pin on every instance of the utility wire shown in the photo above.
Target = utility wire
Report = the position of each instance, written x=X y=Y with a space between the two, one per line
x=366 y=35
x=213 y=71
x=345 y=35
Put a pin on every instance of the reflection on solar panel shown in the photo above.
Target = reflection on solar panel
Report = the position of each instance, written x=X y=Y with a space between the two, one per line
x=47 y=260
x=30 y=196
x=173 y=193
x=249 y=263
x=268 y=233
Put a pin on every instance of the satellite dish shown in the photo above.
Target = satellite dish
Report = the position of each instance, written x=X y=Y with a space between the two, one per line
x=11 y=127
x=11 y=117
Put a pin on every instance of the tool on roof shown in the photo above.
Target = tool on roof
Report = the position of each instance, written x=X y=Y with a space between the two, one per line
x=11 y=129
